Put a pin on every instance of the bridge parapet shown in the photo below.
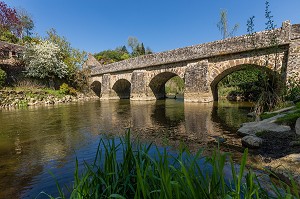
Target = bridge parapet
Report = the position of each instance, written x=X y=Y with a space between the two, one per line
x=233 y=45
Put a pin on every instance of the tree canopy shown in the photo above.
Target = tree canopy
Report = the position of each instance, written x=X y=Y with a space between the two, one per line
x=44 y=60
x=121 y=53
x=14 y=24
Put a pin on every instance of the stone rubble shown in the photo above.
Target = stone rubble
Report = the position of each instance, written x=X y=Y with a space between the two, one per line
x=15 y=99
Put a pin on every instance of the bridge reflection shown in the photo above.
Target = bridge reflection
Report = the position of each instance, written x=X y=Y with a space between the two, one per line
x=46 y=137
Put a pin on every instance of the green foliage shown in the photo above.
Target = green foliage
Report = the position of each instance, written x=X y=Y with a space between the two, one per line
x=8 y=36
x=239 y=78
x=245 y=82
x=121 y=53
x=3 y=77
x=142 y=174
x=289 y=118
x=26 y=22
x=22 y=103
x=111 y=56
x=49 y=91
x=72 y=57
x=67 y=90
x=80 y=80
x=292 y=91
x=264 y=116
x=271 y=86
x=175 y=85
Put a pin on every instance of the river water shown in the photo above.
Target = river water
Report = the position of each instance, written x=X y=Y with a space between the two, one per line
x=40 y=141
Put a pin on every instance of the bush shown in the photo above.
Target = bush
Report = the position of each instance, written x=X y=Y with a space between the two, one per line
x=67 y=90
x=293 y=88
x=80 y=80
x=2 y=77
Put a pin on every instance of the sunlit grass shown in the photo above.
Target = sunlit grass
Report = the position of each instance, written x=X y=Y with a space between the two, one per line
x=142 y=174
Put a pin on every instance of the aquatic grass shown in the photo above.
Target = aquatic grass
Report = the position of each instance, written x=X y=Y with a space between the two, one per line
x=128 y=169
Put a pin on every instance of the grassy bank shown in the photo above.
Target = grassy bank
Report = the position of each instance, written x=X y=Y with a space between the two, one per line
x=150 y=172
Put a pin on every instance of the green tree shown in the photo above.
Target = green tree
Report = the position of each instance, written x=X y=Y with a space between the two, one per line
x=148 y=51
x=26 y=22
x=133 y=43
x=271 y=87
x=2 y=77
x=137 y=48
x=72 y=57
x=111 y=56
x=7 y=36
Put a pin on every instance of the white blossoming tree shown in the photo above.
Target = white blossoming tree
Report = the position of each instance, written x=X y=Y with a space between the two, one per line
x=44 y=60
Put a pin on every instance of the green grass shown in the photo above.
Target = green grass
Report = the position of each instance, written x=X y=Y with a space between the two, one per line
x=165 y=175
x=264 y=116
x=289 y=118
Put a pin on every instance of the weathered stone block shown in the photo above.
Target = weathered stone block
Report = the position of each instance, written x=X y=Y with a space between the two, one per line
x=252 y=141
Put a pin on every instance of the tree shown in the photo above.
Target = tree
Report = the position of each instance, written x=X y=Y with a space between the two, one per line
x=223 y=26
x=26 y=22
x=148 y=51
x=44 y=60
x=111 y=56
x=133 y=43
x=138 y=48
x=270 y=83
x=72 y=57
x=9 y=20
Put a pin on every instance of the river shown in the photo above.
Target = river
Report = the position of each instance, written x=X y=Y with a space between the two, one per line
x=36 y=142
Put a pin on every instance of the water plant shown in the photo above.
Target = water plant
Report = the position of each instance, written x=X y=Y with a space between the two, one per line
x=124 y=168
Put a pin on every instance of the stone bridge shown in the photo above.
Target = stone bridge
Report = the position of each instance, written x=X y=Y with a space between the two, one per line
x=200 y=66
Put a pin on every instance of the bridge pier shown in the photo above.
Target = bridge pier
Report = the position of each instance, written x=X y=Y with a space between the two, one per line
x=197 y=88
x=140 y=90
x=105 y=87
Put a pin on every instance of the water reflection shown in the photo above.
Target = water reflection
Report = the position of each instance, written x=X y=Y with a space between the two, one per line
x=36 y=140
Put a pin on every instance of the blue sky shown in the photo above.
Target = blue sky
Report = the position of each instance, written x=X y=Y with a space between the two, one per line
x=96 y=25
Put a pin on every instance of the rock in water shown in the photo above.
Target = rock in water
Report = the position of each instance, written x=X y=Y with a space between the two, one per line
x=297 y=126
x=269 y=125
x=252 y=141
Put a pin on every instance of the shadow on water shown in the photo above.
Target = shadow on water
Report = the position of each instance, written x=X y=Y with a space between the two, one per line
x=35 y=141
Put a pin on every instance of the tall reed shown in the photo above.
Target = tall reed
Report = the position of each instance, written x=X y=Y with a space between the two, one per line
x=126 y=169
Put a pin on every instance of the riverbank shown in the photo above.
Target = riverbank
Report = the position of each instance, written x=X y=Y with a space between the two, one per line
x=280 y=154
x=23 y=97
x=275 y=142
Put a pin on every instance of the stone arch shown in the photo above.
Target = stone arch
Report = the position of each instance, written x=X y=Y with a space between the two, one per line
x=122 y=89
x=96 y=87
x=219 y=76
x=157 y=83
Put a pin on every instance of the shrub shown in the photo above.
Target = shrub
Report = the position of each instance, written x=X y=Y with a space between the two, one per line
x=67 y=90
x=80 y=80
x=2 y=77
x=44 y=60
x=293 y=88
